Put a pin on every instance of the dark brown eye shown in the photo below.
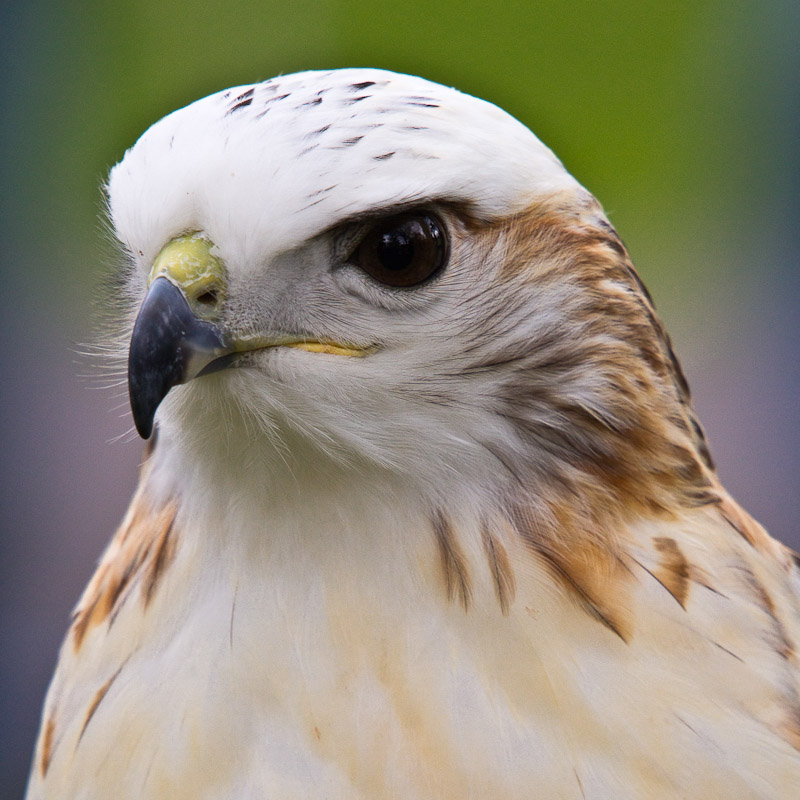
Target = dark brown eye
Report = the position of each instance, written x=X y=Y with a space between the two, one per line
x=404 y=250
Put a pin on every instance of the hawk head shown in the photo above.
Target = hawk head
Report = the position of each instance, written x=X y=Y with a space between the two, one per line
x=391 y=274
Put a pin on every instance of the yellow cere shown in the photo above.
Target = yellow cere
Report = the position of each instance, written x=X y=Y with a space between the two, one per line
x=189 y=264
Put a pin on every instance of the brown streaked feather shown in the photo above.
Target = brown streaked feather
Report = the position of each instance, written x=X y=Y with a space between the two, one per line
x=502 y=571
x=454 y=565
x=753 y=533
x=789 y=731
x=139 y=552
x=96 y=700
x=164 y=552
x=653 y=453
x=607 y=409
x=47 y=746
x=600 y=595
x=603 y=404
x=592 y=574
x=673 y=571
x=780 y=639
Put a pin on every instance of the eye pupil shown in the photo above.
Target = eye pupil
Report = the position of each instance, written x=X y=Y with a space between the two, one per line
x=403 y=250
x=395 y=250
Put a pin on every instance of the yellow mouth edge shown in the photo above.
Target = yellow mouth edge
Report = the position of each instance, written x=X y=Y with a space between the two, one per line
x=329 y=349
x=244 y=344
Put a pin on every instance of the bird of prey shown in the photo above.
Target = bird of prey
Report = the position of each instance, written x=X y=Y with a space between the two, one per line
x=426 y=511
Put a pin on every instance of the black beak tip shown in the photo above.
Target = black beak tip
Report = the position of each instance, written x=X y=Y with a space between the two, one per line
x=143 y=415
x=144 y=427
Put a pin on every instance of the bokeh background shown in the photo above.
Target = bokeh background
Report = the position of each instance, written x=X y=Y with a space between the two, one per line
x=682 y=117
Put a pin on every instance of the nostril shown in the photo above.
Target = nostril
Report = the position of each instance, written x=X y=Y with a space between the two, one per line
x=208 y=298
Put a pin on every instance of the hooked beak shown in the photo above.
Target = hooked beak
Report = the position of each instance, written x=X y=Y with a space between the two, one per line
x=172 y=342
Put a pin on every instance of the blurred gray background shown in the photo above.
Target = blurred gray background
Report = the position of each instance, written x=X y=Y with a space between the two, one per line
x=682 y=117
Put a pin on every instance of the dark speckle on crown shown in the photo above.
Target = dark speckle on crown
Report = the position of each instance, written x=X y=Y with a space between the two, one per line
x=242 y=101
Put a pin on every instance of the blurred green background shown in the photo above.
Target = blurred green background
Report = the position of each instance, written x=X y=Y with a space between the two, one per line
x=682 y=117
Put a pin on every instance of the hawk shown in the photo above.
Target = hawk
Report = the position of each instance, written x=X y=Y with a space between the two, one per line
x=426 y=511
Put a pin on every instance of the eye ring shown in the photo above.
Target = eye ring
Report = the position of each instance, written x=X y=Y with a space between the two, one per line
x=403 y=250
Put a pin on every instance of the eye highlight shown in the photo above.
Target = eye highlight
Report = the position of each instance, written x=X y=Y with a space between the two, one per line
x=403 y=250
